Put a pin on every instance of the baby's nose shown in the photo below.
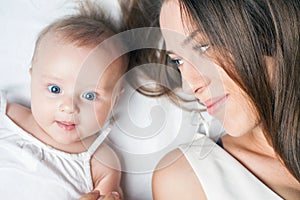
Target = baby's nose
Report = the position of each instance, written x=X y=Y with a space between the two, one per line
x=68 y=106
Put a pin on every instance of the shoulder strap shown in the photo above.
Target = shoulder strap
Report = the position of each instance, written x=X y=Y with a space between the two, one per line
x=102 y=136
x=3 y=103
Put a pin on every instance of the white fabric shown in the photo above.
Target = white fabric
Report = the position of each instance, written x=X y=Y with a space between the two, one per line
x=222 y=176
x=30 y=169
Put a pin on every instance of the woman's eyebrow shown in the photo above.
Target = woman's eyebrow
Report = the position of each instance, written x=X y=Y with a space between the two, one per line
x=170 y=52
x=190 y=37
x=186 y=41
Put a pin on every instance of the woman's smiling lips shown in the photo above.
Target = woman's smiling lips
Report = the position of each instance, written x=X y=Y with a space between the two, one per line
x=67 y=126
x=215 y=104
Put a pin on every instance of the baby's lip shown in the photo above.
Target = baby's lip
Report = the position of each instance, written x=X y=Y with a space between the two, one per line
x=67 y=122
x=66 y=125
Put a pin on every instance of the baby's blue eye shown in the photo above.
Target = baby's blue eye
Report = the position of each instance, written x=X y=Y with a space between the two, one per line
x=54 y=89
x=90 y=96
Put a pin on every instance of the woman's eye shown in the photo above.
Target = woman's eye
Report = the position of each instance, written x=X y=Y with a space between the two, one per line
x=177 y=62
x=202 y=48
x=54 y=89
x=91 y=96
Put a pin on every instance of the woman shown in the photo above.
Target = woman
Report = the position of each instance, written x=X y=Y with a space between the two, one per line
x=242 y=60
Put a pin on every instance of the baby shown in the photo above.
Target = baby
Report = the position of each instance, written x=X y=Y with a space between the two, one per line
x=54 y=150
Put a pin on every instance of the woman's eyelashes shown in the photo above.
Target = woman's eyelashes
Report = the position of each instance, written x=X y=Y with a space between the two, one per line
x=178 y=61
x=202 y=48
x=175 y=61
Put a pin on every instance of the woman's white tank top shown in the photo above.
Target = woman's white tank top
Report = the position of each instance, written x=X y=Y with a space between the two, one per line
x=221 y=175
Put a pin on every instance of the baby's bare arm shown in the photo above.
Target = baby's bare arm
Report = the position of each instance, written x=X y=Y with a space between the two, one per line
x=106 y=171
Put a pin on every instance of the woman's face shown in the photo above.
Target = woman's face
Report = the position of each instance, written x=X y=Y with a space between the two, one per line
x=208 y=81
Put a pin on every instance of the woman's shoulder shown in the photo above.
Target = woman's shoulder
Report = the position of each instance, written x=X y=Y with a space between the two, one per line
x=174 y=178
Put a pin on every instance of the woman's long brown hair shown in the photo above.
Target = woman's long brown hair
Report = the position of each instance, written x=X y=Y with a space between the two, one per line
x=244 y=32
x=145 y=13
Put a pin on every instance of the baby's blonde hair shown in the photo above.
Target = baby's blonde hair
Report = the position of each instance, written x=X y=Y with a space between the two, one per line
x=88 y=28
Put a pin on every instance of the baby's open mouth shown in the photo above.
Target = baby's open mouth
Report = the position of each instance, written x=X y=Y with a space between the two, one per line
x=67 y=126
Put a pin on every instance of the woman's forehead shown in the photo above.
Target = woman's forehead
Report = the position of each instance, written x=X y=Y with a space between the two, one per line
x=177 y=35
x=170 y=16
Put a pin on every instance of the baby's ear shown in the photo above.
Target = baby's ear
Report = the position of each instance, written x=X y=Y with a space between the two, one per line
x=30 y=70
x=118 y=95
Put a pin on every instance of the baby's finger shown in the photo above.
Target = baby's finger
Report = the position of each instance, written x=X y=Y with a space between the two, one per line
x=111 y=196
x=94 y=195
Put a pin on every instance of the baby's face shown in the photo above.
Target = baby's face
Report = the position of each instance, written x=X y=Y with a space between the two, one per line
x=73 y=88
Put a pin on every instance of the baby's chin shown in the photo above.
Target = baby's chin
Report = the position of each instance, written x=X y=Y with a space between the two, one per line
x=71 y=145
x=67 y=141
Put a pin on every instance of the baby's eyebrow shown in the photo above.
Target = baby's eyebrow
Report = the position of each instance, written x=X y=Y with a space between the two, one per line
x=51 y=77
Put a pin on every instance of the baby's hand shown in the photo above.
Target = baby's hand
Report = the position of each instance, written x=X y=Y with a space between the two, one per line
x=111 y=196
x=95 y=195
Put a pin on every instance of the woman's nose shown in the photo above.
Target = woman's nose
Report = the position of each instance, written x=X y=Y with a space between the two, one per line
x=188 y=71
x=192 y=77
x=186 y=86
